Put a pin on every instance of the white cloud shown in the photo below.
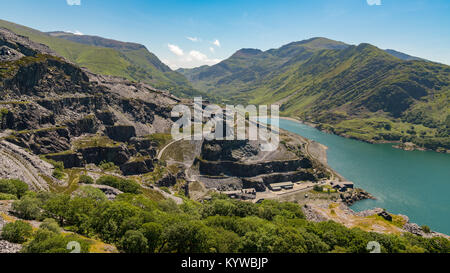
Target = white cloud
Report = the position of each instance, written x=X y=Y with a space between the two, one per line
x=175 y=50
x=197 y=55
x=73 y=2
x=193 y=39
x=76 y=32
x=192 y=59
x=212 y=49
x=216 y=43
x=374 y=2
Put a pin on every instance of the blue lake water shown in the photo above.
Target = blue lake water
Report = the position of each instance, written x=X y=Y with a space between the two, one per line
x=416 y=184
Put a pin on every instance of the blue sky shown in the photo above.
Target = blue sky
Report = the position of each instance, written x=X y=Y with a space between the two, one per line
x=193 y=33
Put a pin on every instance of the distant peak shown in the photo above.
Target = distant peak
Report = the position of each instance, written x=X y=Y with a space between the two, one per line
x=247 y=52
x=96 y=41
x=320 y=43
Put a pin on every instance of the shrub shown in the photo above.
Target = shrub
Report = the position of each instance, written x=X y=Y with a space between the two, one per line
x=86 y=179
x=51 y=225
x=125 y=185
x=47 y=241
x=426 y=229
x=318 y=188
x=17 y=232
x=58 y=174
x=107 y=166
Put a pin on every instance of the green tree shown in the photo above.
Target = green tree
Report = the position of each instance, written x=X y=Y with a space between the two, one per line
x=27 y=208
x=56 y=207
x=134 y=242
x=13 y=186
x=152 y=232
x=109 y=219
x=17 y=232
x=185 y=237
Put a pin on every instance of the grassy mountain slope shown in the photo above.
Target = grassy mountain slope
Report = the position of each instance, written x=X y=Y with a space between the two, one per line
x=360 y=91
x=118 y=59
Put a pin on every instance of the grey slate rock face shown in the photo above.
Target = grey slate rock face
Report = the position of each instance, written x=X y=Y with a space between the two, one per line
x=121 y=133
x=137 y=167
x=168 y=180
x=8 y=54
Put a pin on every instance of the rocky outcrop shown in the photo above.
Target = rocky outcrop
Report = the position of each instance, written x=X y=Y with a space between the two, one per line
x=230 y=168
x=44 y=141
x=7 y=247
x=222 y=150
x=110 y=192
x=106 y=117
x=118 y=154
x=355 y=195
x=121 y=133
x=257 y=184
x=8 y=54
x=87 y=124
x=47 y=75
x=70 y=160
x=22 y=44
x=168 y=180
x=144 y=146
x=27 y=116
x=137 y=167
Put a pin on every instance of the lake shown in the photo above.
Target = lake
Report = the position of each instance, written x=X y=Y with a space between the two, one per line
x=416 y=184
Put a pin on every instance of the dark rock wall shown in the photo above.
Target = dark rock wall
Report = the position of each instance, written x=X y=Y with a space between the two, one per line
x=217 y=168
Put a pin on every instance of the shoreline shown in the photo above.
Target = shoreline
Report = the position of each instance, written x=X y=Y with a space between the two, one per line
x=408 y=146
x=416 y=227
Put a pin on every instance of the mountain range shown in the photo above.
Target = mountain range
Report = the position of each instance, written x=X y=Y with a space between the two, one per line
x=88 y=158
x=358 y=91
x=109 y=57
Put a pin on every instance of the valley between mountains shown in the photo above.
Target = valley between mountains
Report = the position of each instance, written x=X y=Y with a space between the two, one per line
x=86 y=153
